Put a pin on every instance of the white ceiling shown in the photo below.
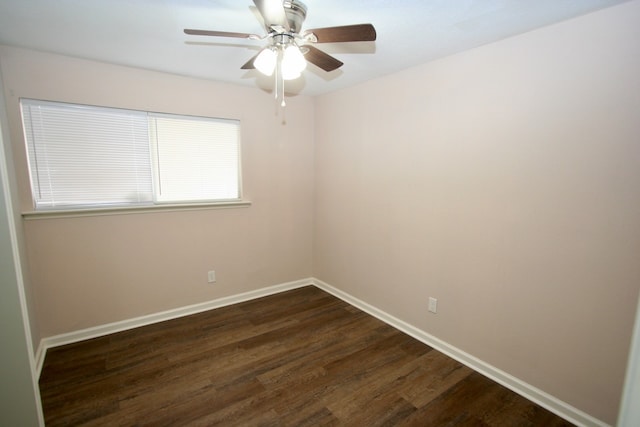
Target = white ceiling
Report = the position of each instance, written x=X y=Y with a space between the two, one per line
x=149 y=33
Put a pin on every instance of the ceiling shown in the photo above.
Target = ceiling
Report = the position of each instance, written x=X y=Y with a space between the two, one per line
x=149 y=33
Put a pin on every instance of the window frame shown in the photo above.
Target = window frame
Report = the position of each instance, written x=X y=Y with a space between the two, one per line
x=136 y=207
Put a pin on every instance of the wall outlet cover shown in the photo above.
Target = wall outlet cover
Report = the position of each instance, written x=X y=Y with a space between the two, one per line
x=433 y=305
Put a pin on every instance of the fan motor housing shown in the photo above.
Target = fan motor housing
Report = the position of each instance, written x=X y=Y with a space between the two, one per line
x=296 y=13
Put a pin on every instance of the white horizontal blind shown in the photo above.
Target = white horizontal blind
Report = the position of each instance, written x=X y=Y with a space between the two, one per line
x=86 y=156
x=195 y=159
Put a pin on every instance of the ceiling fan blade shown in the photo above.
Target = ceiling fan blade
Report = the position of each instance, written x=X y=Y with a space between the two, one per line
x=273 y=13
x=219 y=34
x=347 y=33
x=249 y=64
x=321 y=59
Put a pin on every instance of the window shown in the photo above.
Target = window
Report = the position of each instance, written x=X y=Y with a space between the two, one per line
x=83 y=156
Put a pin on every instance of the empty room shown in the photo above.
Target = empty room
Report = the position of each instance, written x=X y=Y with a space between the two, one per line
x=287 y=213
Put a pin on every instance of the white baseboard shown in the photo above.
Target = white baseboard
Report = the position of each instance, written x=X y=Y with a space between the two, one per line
x=528 y=391
x=38 y=358
x=524 y=389
x=110 y=328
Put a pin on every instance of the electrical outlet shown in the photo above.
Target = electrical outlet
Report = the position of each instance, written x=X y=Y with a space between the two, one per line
x=433 y=305
x=211 y=276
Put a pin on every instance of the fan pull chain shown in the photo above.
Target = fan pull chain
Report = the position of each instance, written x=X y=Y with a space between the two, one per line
x=282 y=104
x=279 y=84
x=277 y=73
x=281 y=87
x=276 y=84
x=280 y=94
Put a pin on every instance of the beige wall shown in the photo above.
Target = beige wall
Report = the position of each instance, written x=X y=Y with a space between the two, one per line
x=94 y=270
x=504 y=181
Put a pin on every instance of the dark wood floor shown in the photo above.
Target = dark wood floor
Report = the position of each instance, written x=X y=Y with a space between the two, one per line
x=298 y=358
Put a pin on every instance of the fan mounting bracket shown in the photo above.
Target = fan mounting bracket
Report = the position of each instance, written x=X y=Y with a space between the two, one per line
x=296 y=13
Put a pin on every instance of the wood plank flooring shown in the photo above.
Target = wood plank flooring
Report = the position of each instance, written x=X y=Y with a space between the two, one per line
x=299 y=358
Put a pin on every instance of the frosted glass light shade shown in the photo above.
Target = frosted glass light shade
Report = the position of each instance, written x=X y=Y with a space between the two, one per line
x=293 y=62
x=265 y=62
x=289 y=74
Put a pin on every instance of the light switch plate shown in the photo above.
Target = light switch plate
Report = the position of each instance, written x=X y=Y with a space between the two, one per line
x=433 y=305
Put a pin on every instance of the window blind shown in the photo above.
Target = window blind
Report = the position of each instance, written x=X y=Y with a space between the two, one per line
x=194 y=158
x=86 y=156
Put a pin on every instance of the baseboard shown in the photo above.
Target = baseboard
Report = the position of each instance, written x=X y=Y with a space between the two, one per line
x=38 y=358
x=528 y=391
x=110 y=328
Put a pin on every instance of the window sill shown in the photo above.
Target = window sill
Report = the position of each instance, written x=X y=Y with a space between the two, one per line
x=128 y=210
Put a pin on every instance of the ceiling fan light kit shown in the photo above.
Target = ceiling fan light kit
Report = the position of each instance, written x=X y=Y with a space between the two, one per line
x=265 y=62
x=293 y=61
x=289 y=48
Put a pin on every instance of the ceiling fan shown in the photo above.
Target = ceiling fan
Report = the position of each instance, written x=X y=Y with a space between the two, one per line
x=289 y=48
